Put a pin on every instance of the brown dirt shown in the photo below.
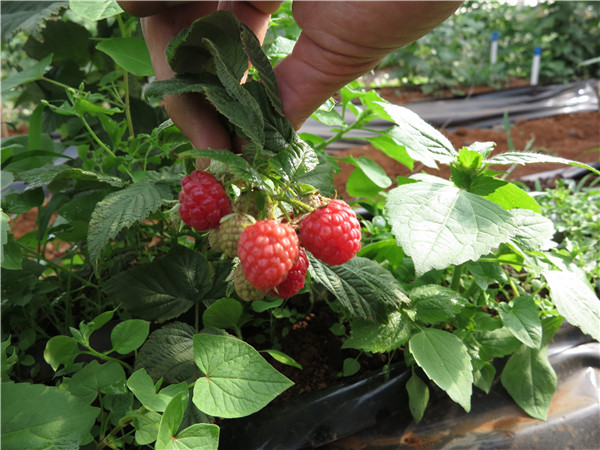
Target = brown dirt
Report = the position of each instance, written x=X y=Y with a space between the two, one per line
x=571 y=136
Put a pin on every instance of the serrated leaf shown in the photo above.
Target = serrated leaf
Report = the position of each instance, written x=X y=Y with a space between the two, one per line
x=530 y=380
x=522 y=320
x=575 y=300
x=533 y=231
x=445 y=360
x=164 y=288
x=535 y=158
x=422 y=142
x=435 y=304
x=237 y=381
x=27 y=16
x=503 y=193
x=381 y=337
x=363 y=288
x=120 y=210
x=168 y=353
x=130 y=53
x=237 y=164
x=38 y=416
x=496 y=343
x=180 y=85
x=294 y=159
x=95 y=9
x=438 y=224
x=388 y=145
x=50 y=173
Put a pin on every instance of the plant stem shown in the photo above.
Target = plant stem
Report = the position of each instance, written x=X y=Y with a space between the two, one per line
x=96 y=138
x=104 y=356
x=456 y=276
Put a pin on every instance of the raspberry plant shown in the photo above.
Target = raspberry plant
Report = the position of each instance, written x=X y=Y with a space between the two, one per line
x=432 y=281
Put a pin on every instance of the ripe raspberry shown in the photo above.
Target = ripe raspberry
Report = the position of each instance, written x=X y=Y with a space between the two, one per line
x=202 y=201
x=268 y=250
x=331 y=234
x=295 y=278
x=244 y=289
x=229 y=232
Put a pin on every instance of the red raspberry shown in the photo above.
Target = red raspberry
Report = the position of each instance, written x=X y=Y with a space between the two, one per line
x=331 y=234
x=203 y=201
x=268 y=250
x=295 y=278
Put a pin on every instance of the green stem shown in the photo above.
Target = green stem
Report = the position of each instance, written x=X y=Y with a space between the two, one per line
x=105 y=357
x=96 y=138
x=126 y=81
x=456 y=276
x=59 y=84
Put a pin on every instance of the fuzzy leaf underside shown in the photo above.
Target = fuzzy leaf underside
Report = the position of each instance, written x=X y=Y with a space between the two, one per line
x=535 y=158
x=438 y=224
x=361 y=286
x=120 y=210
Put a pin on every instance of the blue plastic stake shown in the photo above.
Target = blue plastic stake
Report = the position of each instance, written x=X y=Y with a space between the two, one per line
x=494 y=48
x=535 y=65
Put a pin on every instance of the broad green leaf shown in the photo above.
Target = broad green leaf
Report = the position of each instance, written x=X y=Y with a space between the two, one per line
x=372 y=170
x=95 y=9
x=358 y=184
x=363 y=288
x=435 y=304
x=484 y=377
x=294 y=159
x=522 y=320
x=422 y=142
x=350 y=367
x=224 y=313
x=418 y=396
x=391 y=148
x=179 y=85
x=533 y=158
x=94 y=377
x=532 y=231
x=27 y=75
x=575 y=300
x=438 y=224
x=203 y=436
x=129 y=335
x=331 y=118
x=503 y=193
x=130 y=53
x=168 y=353
x=120 y=210
x=282 y=358
x=144 y=389
x=146 y=427
x=445 y=360
x=496 y=343
x=28 y=16
x=170 y=420
x=60 y=350
x=164 y=288
x=530 y=380
x=237 y=381
x=56 y=174
x=38 y=416
x=321 y=177
x=379 y=337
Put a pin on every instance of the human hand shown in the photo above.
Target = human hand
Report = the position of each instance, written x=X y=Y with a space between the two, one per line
x=340 y=41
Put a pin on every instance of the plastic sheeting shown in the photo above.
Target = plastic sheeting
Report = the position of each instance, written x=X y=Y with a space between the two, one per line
x=372 y=413
x=482 y=110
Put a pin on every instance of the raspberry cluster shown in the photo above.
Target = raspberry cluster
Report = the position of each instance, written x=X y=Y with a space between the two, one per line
x=272 y=253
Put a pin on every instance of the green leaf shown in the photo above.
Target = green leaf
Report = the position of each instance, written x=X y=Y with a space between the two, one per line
x=69 y=42
x=146 y=427
x=530 y=380
x=422 y=142
x=418 y=396
x=438 y=224
x=94 y=377
x=237 y=381
x=575 y=299
x=144 y=389
x=388 y=145
x=38 y=416
x=535 y=158
x=129 y=335
x=496 y=343
x=27 y=75
x=27 y=16
x=522 y=320
x=238 y=166
x=164 y=288
x=350 y=367
x=282 y=358
x=533 y=231
x=503 y=193
x=435 y=304
x=363 y=288
x=203 y=436
x=95 y=9
x=55 y=175
x=119 y=210
x=379 y=337
x=224 y=313
x=168 y=353
x=171 y=419
x=484 y=377
x=445 y=360
x=60 y=350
